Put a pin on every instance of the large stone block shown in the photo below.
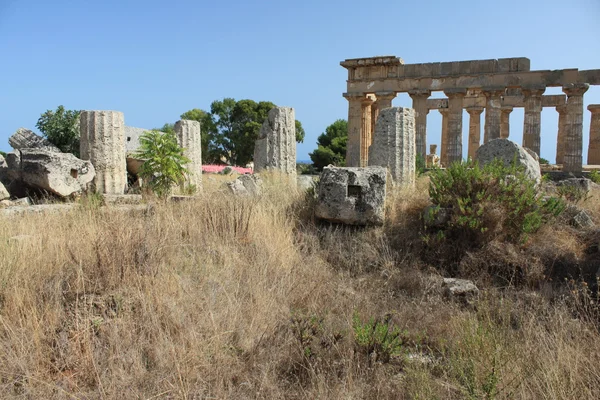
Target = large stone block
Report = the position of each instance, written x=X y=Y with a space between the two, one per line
x=276 y=144
x=26 y=139
x=509 y=152
x=62 y=174
x=103 y=143
x=188 y=137
x=394 y=145
x=354 y=196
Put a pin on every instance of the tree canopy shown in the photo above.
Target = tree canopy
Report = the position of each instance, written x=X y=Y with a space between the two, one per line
x=331 y=146
x=61 y=128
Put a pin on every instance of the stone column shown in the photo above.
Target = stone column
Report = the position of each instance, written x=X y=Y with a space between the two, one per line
x=455 y=113
x=474 y=130
x=354 y=128
x=275 y=148
x=188 y=137
x=594 y=148
x=560 y=138
x=532 y=119
x=573 y=159
x=444 y=139
x=394 y=144
x=505 y=121
x=419 y=98
x=366 y=133
x=382 y=101
x=103 y=144
x=492 y=113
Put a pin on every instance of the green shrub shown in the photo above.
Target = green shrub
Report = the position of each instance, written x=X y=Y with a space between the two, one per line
x=61 y=128
x=164 y=162
x=487 y=202
x=420 y=165
x=544 y=161
x=377 y=338
x=572 y=193
x=594 y=176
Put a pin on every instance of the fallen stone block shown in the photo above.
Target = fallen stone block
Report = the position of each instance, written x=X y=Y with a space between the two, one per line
x=353 y=196
x=509 y=152
x=26 y=139
x=460 y=289
x=246 y=185
x=3 y=192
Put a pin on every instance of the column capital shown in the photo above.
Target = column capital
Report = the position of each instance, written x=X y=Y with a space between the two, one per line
x=594 y=108
x=575 y=89
x=506 y=109
x=533 y=90
x=419 y=93
x=474 y=110
x=385 y=95
x=444 y=111
x=561 y=109
x=496 y=91
x=355 y=96
x=455 y=92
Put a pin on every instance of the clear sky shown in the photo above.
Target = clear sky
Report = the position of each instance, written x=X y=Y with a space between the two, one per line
x=154 y=60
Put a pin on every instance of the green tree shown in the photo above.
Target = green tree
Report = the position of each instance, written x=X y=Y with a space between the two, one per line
x=61 y=128
x=331 y=146
x=299 y=132
x=164 y=161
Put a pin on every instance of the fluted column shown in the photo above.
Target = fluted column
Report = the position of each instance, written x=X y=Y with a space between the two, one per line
x=382 y=101
x=355 y=114
x=474 y=130
x=444 y=140
x=493 y=103
x=573 y=159
x=366 y=132
x=188 y=137
x=594 y=148
x=419 y=98
x=455 y=108
x=560 y=138
x=505 y=121
x=532 y=119
x=102 y=142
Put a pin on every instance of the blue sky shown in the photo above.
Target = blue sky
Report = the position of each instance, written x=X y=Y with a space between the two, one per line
x=154 y=60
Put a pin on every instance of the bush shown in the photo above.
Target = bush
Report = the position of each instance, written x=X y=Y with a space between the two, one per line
x=61 y=128
x=420 y=165
x=488 y=202
x=164 y=162
x=380 y=339
x=595 y=176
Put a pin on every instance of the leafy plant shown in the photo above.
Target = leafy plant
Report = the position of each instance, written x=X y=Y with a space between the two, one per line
x=572 y=193
x=164 y=162
x=61 y=128
x=420 y=165
x=377 y=339
x=544 y=161
x=594 y=176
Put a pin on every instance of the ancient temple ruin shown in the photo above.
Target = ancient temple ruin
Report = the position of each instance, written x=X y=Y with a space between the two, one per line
x=494 y=86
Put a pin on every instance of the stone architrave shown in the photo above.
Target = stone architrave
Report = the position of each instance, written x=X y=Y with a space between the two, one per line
x=560 y=137
x=474 y=130
x=454 y=136
x=505 y=122
x=354 y=196
x=493 y=103
x=394 y=144
x=188 y=137
x=444 y=138
x=103 y=143
x=275 y=148
x=594 y=147
x=532 y=118
x=573 y=159
x=419 y=98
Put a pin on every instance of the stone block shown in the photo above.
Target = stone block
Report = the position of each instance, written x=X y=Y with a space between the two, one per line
x=103 y=143
x=246 y=185
x=275 y=148
x=509 y=152
x=354 y=196
x=394 y=144
x=3 y=192
x=26 y=139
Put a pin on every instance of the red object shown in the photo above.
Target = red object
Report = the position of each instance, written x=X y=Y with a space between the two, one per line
x=215 y=169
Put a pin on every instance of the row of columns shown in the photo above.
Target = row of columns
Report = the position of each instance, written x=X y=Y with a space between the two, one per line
x=364 y=109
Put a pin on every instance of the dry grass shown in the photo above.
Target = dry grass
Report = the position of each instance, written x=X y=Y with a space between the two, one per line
x=246 y=298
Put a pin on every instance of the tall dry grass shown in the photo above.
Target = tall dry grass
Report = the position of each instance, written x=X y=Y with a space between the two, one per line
x=227 y=297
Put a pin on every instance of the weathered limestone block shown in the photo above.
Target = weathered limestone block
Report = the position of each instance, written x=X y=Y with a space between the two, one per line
x=354 y=196
x=103 y=143
x=507 y=151
x=3 y=192
x=246 y=185
x=188 y=136
x=60 y=173
x=394 y=145
x=276 y=144
x=26 y=139
x=460 y=289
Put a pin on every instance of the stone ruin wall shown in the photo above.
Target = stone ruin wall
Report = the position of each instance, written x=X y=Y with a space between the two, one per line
x=494 y=86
